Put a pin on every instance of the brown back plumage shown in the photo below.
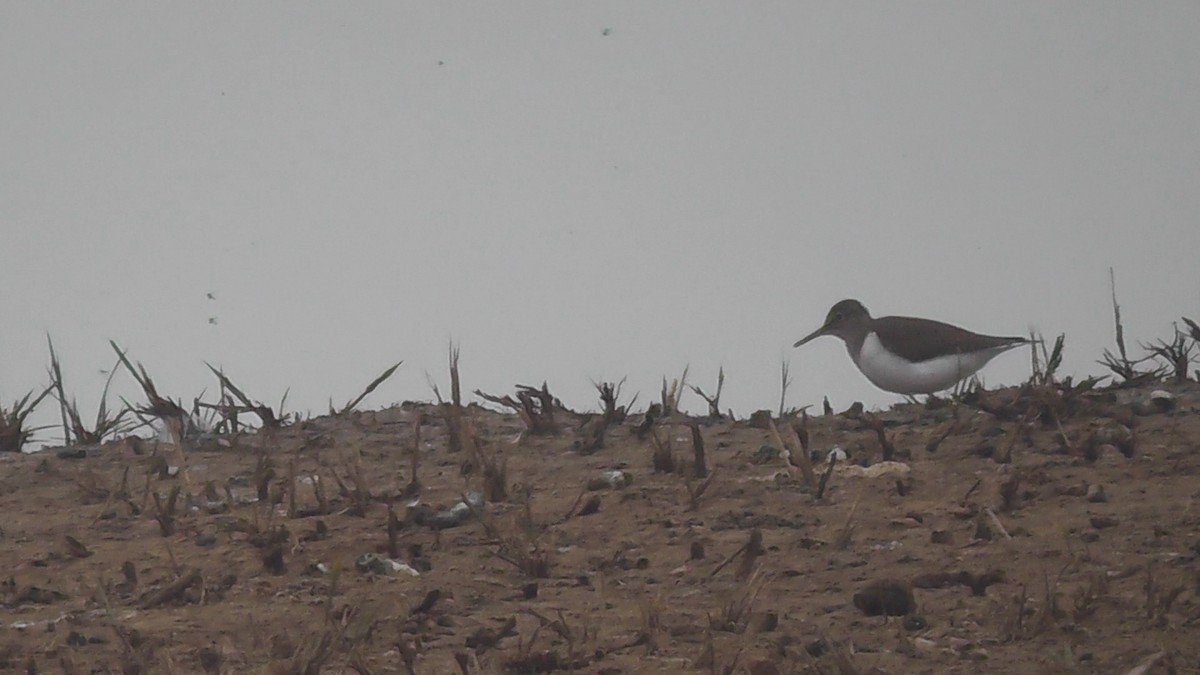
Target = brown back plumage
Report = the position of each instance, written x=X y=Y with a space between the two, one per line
x=900 y=335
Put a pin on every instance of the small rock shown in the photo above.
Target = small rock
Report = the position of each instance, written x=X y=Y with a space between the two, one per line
x=615 y=479
x=885 y=597
x=1102 y=522
x=914 y=622
x=764 y=454
x=816 y=648
x=1077 y=490
x=1095 y=494
x=760 y=419
x=1158 y=402
x=877 y=470
x=316 y=569
x=369 y=562
x=1164 y=400
x=1101 y=441
x=452 y=517
x=763 y=623
x=976 y=654
x=924 y=644
x=941 y=537
x=590 y=507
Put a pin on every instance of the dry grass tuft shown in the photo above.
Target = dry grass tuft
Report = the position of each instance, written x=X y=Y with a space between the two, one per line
x=366 y=392
x=1177 y=354
x=170 y=412
x=736 y=611
x=1120 y=363
x=521 y=548
x=13 y=432
x=492 y=465
x=714 y=401
x=669 y=398
x=233 y=402
x=535 y=407
x=663 y=459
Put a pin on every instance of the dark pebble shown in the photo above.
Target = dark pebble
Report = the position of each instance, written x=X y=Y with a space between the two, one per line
x=888 y=597
x=816 y=648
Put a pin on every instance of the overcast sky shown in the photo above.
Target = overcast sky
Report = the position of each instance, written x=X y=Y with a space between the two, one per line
x=578 y=192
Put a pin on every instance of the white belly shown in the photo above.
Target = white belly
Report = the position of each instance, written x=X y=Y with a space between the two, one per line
x=892 y=373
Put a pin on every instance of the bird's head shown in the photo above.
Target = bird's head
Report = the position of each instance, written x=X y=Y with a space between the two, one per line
x=844 y=319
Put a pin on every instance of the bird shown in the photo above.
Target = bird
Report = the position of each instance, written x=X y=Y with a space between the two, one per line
x=907 y=355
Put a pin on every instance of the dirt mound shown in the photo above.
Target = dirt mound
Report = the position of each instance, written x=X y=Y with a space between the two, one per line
x=1025 y=531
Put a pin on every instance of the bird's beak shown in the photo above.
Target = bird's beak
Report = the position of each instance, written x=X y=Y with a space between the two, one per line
x=812 y=336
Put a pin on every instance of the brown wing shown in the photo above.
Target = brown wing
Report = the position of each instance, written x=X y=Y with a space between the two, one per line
x=897 y=332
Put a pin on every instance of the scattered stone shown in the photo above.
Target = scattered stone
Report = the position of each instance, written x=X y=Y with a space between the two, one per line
x=914 y=622
x=319 y=532
x=941 y=537
x=1103 y=522
x=885 y=597
x=877 y=470
x=1076 y=490
x=370 y=562
x=452 y=517
x=760 y=419
x=272 y=560
x=316 y=569
x=209 y=658
x=1157 y=402
x=763 y=623
x=765 y=455
x=591 y=506
x=130 y=573
x=614 y=480
x=1101 y=442
x=697 y=551
x=76 y=548
x=1095 y=494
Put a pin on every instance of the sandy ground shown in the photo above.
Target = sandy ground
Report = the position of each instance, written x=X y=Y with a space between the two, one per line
x=1054 y=533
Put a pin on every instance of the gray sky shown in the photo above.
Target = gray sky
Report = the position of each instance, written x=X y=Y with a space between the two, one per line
x=583 y=191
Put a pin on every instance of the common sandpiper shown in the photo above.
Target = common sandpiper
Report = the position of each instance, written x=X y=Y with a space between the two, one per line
x=906 y=355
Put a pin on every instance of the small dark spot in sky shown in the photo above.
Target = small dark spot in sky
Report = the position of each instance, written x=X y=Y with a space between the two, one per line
x=441 y=63
x=606 y=31
x=210 y=296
